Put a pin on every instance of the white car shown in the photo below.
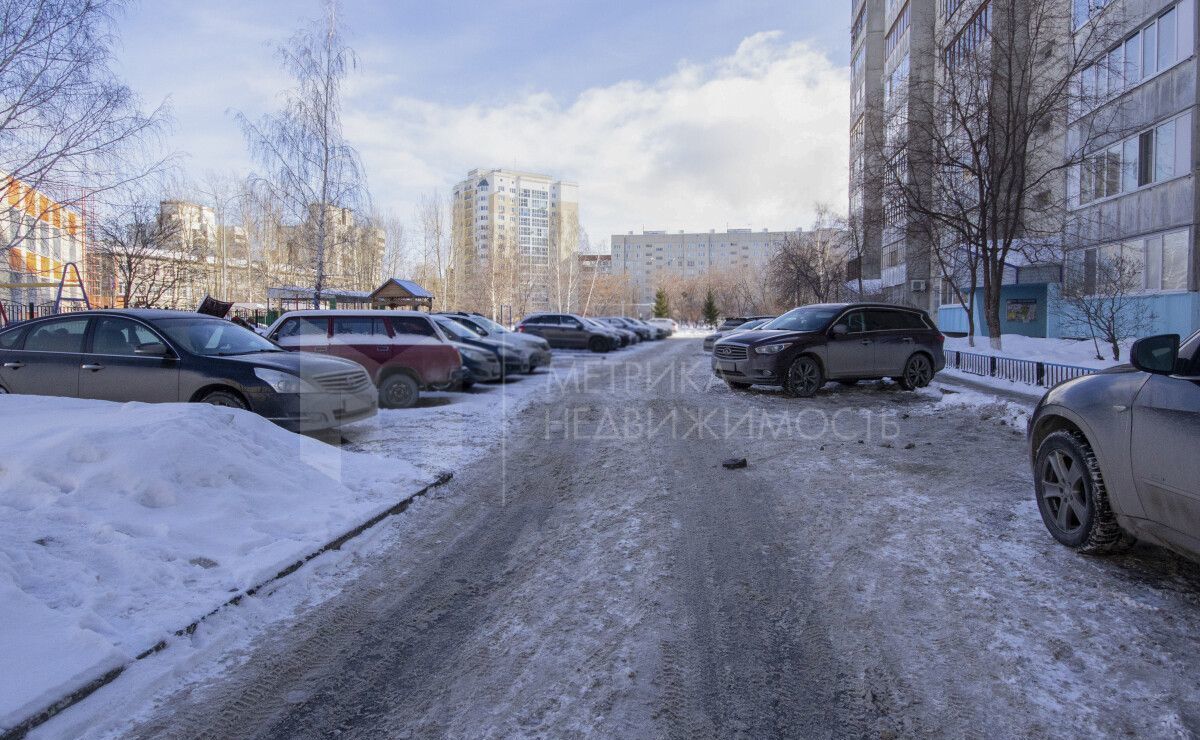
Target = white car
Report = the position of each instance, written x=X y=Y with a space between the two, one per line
x=668 y=324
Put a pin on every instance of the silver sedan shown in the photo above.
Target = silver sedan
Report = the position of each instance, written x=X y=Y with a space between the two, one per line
x=1116 y=455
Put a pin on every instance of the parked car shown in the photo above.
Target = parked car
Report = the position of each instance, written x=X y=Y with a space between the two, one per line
x=643 y=332
x=568 y=331
x=1114 y=453
x=660 y=331
x=668 y=325
x=624 y=336
x=513 y=359
x=711 y=340
x=732 y=322
x=846 y=342
x=539 y=348
x=171 y=356
x=482 y=366
x=402 y=351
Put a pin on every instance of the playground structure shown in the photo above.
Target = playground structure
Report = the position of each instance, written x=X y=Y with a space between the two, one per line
x=24 y=312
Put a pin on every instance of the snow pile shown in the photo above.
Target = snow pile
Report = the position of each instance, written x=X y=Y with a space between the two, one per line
x=1061 y=351
x=120 y=523
x=988 y=407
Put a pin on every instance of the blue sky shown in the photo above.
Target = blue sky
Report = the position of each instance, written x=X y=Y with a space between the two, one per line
x=664 y=87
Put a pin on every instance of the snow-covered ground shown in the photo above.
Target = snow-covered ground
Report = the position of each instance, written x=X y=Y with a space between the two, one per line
x=120 y=523
x=1061 y=351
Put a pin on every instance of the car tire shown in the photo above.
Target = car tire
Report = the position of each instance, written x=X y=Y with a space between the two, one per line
x=738 y=386
x=225 y=399
x=399 y=391
x=804 y=377
x=1066 y=473
x=918 y=372
x=466 y=385
x=598 y=344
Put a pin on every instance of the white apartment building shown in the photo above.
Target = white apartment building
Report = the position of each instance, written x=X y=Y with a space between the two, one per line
x=652 y=258
x=527 y=220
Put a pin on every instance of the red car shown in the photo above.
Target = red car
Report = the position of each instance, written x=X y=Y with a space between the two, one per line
x=403 y=351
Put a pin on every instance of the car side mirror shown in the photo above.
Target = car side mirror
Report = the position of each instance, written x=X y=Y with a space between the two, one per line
x=151 y=349
x=1157 y=354
x=839 y=331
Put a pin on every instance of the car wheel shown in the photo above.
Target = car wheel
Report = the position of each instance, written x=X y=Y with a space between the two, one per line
x=1072 y=498
x=804 y=377
x=738 y=386
x=398 y=392
x=466 y=385
x=598 y=344
x=918 y=371
x=226 y=399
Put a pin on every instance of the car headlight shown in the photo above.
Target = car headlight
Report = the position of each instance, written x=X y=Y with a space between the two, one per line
x=282 y=382
x=771 y=349
x=474 y=355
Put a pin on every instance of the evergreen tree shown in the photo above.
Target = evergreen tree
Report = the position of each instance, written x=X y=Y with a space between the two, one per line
x=711 y=314
x=662 y=308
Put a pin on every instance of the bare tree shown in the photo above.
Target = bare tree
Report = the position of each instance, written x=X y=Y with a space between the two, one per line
x=309 y=167
x=1102 y=292
x=810 y=266
x=151 y=260
x=976 y=166
x=67 y=123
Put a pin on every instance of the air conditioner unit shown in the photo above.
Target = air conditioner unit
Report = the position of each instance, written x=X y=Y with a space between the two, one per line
x=917 y=286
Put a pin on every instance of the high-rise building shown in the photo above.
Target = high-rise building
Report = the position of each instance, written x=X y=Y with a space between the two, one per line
x=893 y=54
x=652 y=258
x=515 y=228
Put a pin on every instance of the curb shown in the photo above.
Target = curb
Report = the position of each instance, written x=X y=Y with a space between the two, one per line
x=21 y=729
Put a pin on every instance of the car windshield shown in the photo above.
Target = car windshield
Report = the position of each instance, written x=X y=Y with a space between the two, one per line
x=214 y=337
x=489 y=324
x=750 y=325
x=456 y=330
x=808 y=318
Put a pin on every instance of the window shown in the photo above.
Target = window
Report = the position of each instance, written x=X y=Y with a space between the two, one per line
x=1174 y=260
x=1166 y=38
x=1154 y=263
x=117 y=336
x=1152 y=156
x=972 y=35
x=899 y=27
x=60 y=335
x=359 y=326
x=412 y=325
x=306 y=326
x=1164 y=151
x=8 y=339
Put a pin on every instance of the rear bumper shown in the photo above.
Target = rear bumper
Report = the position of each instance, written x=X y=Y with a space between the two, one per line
x=312 y=412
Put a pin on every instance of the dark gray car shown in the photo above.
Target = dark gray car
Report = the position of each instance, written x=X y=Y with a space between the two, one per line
x=170 y=356
x=846 y=342
x=1115 y=453
x=569 y=331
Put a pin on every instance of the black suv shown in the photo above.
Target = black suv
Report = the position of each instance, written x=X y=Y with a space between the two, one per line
x=846 y=342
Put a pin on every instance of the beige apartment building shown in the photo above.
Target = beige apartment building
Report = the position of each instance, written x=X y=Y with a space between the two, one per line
x=652 y=258
x=513 y=233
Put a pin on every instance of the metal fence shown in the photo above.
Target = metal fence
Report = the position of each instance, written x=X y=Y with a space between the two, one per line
x=14 y=313
x=1030 y=372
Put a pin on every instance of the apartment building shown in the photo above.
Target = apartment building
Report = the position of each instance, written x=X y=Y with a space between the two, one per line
x=524 y=224
x=893 y=55
x=1135 y=194
x=38 y=237
x=652 y=258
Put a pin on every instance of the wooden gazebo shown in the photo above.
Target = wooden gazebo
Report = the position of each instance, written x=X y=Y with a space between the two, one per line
x=397 y=293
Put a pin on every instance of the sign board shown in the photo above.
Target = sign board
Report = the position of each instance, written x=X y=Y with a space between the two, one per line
x=1021 y=310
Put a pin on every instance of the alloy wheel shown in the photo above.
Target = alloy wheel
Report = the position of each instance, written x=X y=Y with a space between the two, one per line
x=804 y=376
x=1065 y=491
x=919 y=372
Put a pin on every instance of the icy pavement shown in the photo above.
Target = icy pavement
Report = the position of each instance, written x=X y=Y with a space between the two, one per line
x=878 y=570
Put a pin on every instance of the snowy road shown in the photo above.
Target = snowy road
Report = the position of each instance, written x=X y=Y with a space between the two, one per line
x=878 y=570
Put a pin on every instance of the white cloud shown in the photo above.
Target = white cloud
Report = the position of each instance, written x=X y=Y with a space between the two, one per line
x=753 y=139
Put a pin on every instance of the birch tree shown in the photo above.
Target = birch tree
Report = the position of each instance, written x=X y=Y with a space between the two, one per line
x=307 y=165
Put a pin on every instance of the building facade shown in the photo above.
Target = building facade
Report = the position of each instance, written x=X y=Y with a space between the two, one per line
x=38 y=237
x=652 y=258
x=513 y=232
